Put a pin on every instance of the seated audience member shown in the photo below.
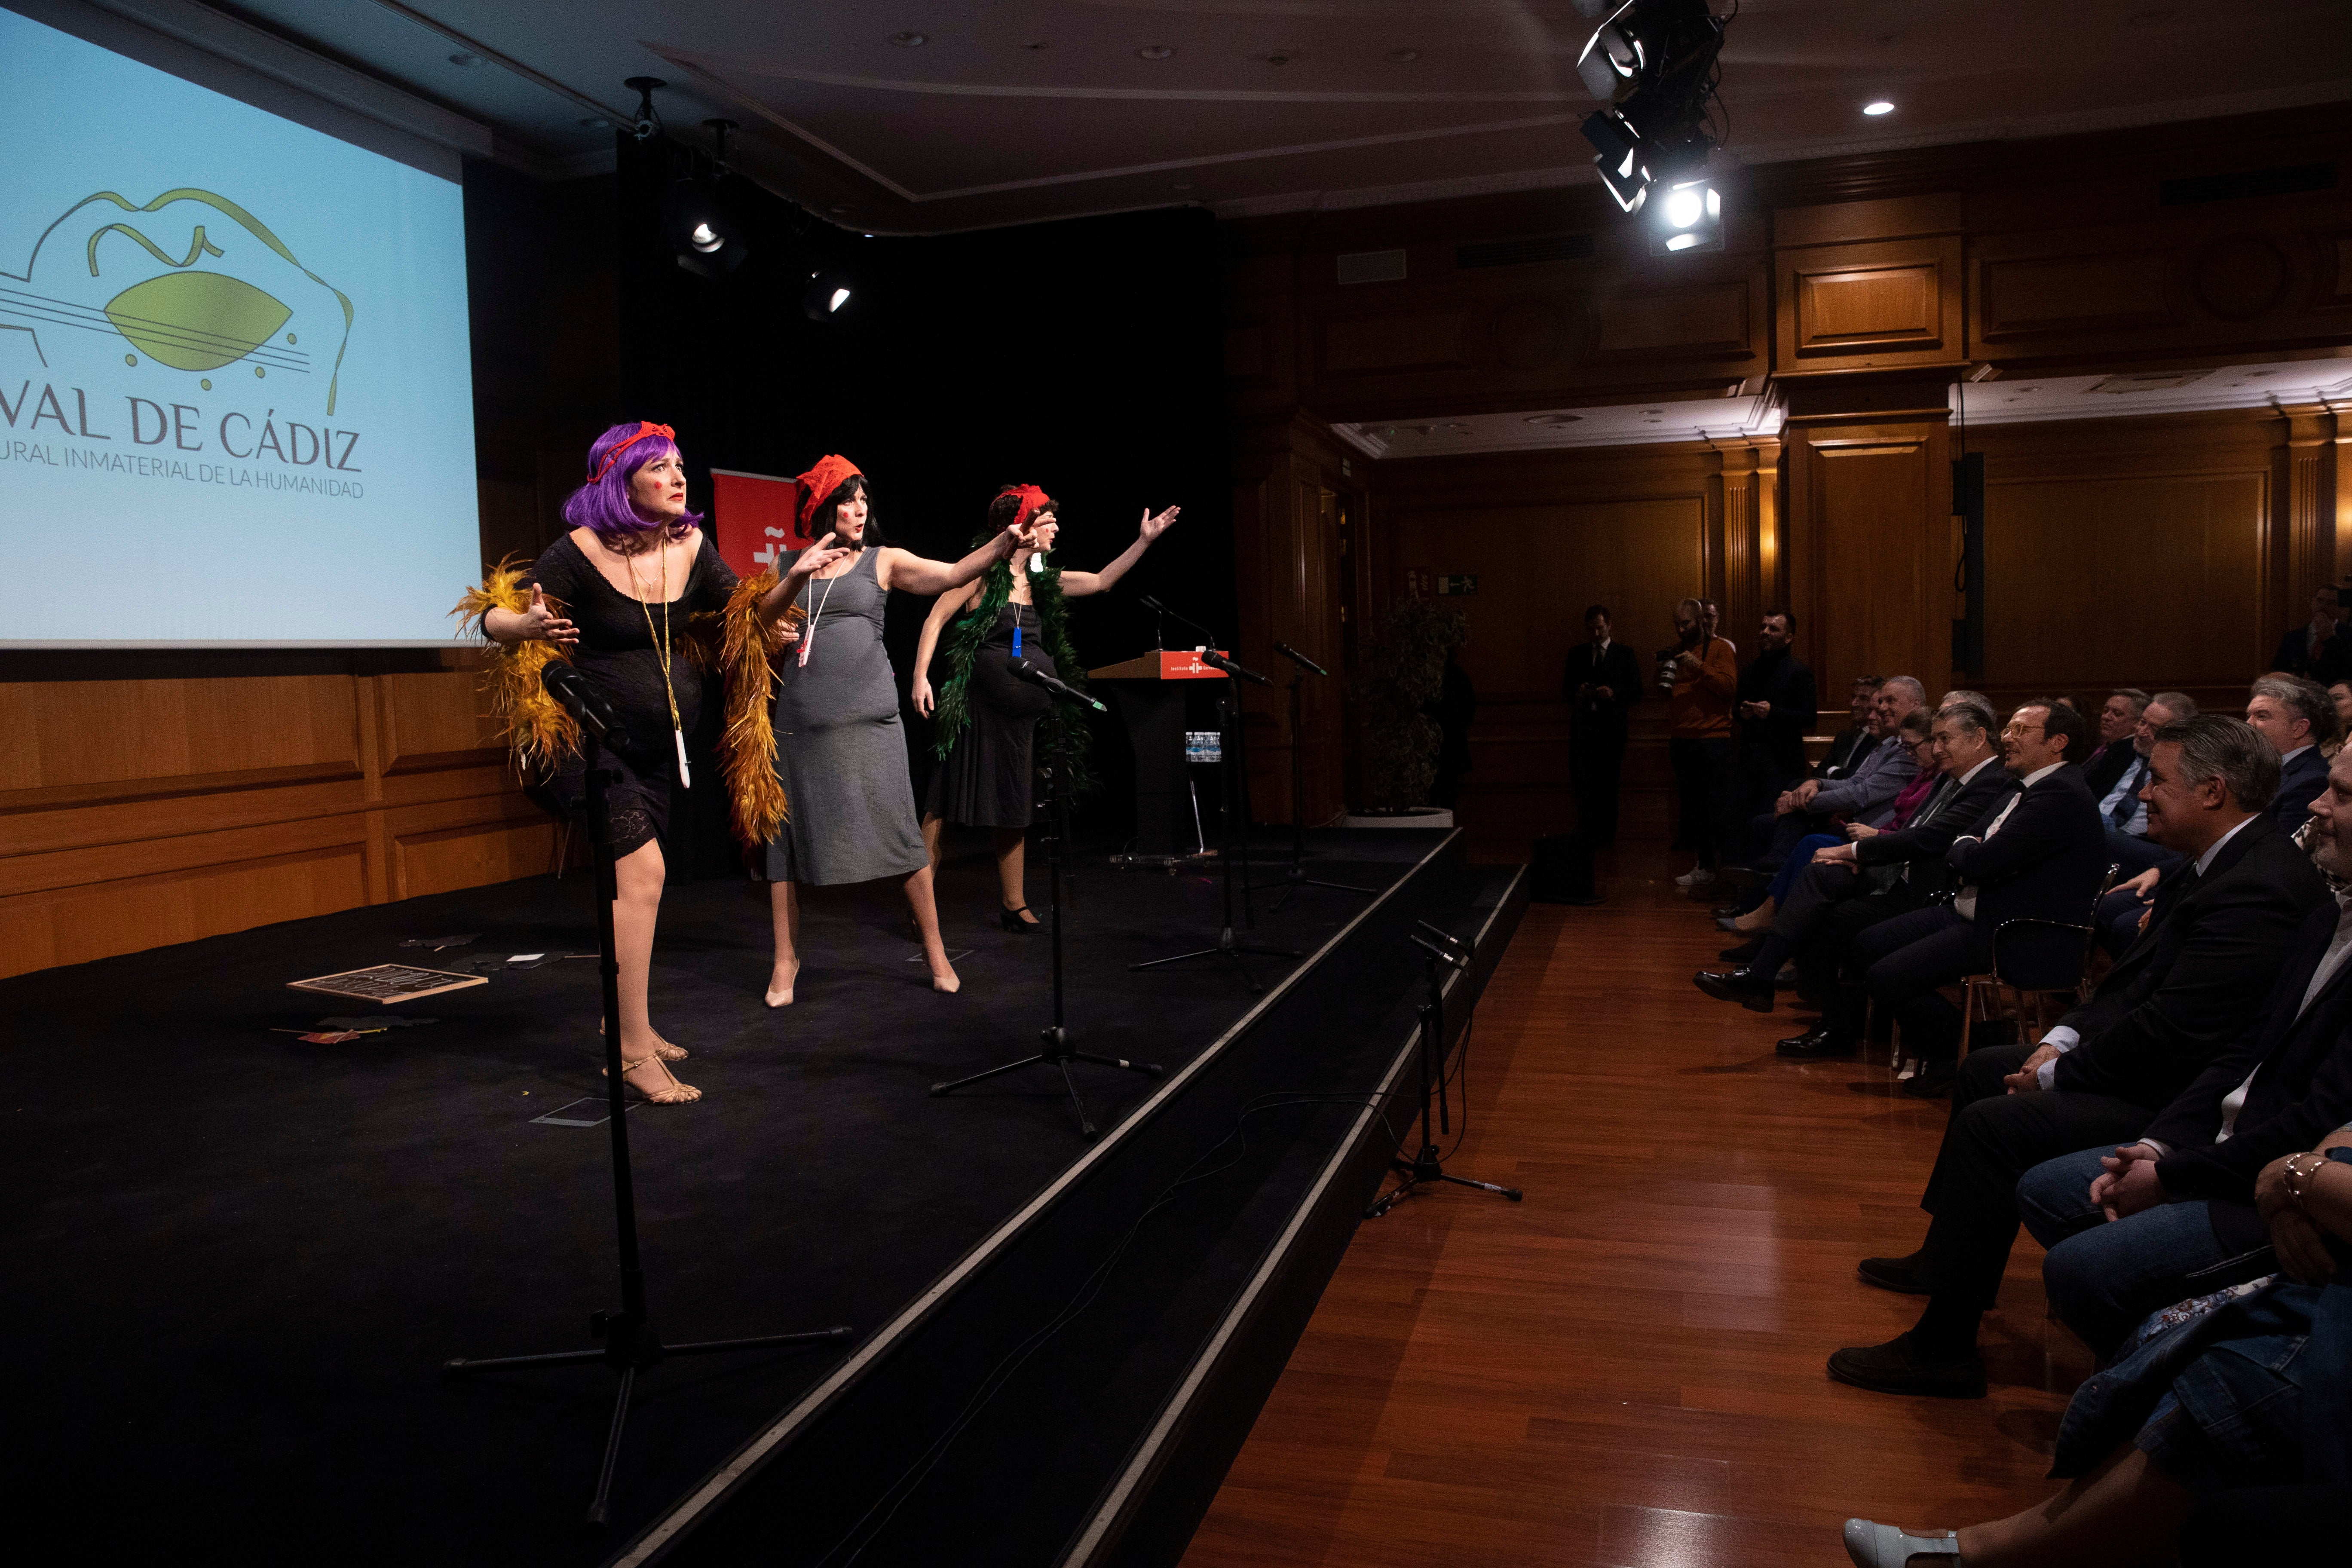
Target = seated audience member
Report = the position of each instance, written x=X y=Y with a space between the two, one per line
x=1824 y=872
x=1878 y=776
x=1773 y=710
x=2313 y=650
x=2234 y=1389
x=2143 y=861
x=2173 y=1004
x=2293 y=716
x=2134 y=1224
x=1839 y=762
x=2119 y=726
x=1874 y=879
x=1917 y=732
x=2040 y=860
x=2339 y=694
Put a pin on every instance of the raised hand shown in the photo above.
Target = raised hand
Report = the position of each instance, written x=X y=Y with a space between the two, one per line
x=1153 y=527
x=922 y=693
x=541 y=621
x=817 y=557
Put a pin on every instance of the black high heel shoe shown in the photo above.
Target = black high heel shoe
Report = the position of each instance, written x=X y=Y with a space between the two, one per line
x=1011 y=920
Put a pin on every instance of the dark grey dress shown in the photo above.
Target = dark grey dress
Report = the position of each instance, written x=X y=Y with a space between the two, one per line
x=840 y=750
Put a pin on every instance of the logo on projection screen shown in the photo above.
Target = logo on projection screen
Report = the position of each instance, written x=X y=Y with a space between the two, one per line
x=219 y=294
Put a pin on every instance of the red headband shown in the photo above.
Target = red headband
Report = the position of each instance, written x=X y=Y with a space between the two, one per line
x=829 y=475
x=645 y=427
x=1031 y=497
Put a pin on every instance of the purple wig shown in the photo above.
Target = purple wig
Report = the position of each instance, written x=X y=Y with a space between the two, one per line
x=602 y=504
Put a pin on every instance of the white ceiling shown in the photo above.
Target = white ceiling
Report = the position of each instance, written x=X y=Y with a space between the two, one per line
x=2026 y=399
x=1014 y=111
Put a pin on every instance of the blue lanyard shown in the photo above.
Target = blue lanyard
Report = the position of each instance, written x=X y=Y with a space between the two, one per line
x=1016 y=634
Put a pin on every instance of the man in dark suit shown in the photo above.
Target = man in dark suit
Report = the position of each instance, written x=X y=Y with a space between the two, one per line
x=2171 y=1215
x=2212 y=951
x=2040 y=860
x=2118 y=720
x=2295 y=716
x=1855 y=738
x=1971 y=786
x=1771 y=712
x=1601 y=685
x=2316 y=650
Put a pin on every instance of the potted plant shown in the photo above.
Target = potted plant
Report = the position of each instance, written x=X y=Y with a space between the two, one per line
x=1407 y=669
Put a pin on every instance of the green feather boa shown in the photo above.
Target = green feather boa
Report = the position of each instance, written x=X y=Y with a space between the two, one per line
x=1064 y=729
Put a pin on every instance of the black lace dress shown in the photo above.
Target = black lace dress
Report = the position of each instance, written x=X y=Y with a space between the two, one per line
x=620 y=653
x=984 y=780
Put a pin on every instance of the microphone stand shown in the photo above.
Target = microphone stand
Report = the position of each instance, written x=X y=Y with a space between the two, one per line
x=1296 y=876
x=1055 y=1051
x=631 y=1345
x=1426 y=1165
x=1228 y=946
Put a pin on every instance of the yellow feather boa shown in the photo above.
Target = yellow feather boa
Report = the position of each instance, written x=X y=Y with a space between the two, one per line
x=748 y=744
x=535 y=725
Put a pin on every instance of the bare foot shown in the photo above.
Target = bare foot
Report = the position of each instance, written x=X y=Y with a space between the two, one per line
x=781 y=982
x=651 y=1077
x=944 y=979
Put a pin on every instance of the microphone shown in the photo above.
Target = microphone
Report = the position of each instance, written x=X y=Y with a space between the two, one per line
x=1027 y=670
x=1157 y=608
x=1300 y=659
x=582 y=698
x=1216 y=660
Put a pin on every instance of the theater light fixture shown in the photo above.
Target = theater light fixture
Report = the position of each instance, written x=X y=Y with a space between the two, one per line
x=1880 y=106
x=1689 y=218
x=1655 y=64
x=827 y=295
x=702 y=226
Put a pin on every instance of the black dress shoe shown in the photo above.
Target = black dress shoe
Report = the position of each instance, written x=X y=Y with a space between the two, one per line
x=1743 y=952
x=1743 y=985
x=1817 y=1044
x=1932 y=1082
x=1900 y=1275
x=1726 y=922
x=1894 y=1368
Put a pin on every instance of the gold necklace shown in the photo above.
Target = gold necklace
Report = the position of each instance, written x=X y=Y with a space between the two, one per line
x=662 y=646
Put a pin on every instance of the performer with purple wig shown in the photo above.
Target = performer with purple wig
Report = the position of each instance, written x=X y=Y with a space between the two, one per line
x=631 y=595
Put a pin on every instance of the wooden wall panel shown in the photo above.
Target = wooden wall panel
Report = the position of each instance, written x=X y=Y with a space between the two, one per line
x=1870 y=306
x=2149 y=579
x=1869 y=526
x=153 y=809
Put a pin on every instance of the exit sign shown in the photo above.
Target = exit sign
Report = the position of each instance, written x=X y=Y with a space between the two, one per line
x=1458 y=585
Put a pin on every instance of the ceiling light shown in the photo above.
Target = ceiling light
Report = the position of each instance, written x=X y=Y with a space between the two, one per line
x=1879 y=107
x=1689 y=218
x=826 y=295
x=1653 y=64
x=911 y=41
x=1402 y=57
x=464 y=58
x=1153 y=52
x=1279 y=57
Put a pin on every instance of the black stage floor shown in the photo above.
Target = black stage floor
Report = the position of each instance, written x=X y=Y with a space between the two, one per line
x=239 y=1260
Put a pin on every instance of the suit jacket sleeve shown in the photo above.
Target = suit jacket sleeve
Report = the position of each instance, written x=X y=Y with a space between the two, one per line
x=2038 y=829
x=1862 y=795
x=2227 y=1170
x=2239 y=930
x=2292 y=805
x=1928 y=840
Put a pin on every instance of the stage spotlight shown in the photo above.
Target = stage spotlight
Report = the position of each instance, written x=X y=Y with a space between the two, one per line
x=827 y=296
x=702 y=230
x=1690 y=218
x=1655 y=62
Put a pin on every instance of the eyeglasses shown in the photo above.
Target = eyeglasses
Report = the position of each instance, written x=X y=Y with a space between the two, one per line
x=2022 y=731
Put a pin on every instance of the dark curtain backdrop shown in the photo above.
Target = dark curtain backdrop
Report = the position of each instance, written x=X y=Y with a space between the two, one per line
x=1083 y=356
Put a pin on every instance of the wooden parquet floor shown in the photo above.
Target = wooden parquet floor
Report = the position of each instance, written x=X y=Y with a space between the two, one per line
x=1626 y=1369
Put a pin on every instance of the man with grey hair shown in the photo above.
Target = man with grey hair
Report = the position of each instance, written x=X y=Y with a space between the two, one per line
x=2295 y=716
x=1867 y=793
x=2117 y=721
x=2187 y=989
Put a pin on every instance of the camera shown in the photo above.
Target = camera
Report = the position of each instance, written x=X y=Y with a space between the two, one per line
x=1666 y=657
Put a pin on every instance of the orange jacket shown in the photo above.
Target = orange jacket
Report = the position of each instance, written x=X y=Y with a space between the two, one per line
x=1699 y=709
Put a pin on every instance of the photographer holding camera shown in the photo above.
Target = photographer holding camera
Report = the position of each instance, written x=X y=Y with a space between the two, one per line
x=1699 y=676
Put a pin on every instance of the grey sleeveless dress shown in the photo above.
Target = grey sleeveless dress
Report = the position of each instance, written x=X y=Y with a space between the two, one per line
x=840 y=750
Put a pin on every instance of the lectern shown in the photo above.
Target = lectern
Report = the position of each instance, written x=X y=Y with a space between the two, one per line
x=1148 y=692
